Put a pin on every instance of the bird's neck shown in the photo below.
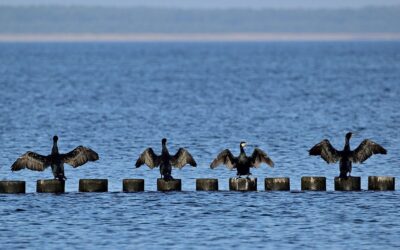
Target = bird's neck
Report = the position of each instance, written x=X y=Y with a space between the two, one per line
x=54 y=150
x=242 y=150
x=347 y=144
x=164 y=149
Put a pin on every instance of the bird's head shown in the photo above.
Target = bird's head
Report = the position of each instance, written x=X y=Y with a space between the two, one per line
x=164 y=141
x=55 y=138
x=243 y=144
x=348 y=135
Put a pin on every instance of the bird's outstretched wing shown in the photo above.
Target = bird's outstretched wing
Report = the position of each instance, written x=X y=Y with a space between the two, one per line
x=226 y=158
x=365 y=150
x=149 y=158
x=181 y=158
x=259 y=157
x=32 y=161
x=326 y=151
x=79 y=156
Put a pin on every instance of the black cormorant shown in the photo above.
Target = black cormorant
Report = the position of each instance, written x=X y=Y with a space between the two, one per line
x=165 y=160
x=33 y=161
x=242 y=163
x=346 y=157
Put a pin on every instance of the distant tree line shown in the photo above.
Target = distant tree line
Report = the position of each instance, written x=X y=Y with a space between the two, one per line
x=76 y=19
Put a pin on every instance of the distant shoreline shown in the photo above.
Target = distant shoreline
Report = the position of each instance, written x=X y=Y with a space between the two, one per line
x=198 y=37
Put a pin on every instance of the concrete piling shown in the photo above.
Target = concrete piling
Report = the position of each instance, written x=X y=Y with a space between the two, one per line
x=313 y=183
x=133 y=185
x=12 y=187
x=93 y=185
x=207 y=184
x=277 y=184
x=351 y=183
x=50 y=186
x=243 y=184
x=381 y=183
x=170 y=185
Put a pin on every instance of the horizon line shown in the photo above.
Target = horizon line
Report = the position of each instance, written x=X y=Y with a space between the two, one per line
x=198 y=37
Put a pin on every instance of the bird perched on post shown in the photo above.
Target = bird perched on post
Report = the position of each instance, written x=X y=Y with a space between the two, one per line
x=346 y=157
x=165 y=160
x=242 y=163
x=33 y=161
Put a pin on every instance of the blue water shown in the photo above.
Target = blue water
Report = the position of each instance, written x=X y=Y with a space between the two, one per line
x=120 y=98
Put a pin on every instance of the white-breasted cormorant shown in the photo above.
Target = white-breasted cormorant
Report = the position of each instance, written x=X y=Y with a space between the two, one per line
x=346 y=157
x=165 y=160
x=33 y=161
x=242 y=163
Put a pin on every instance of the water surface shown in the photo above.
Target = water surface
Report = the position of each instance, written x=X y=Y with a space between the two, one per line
x=119 y=98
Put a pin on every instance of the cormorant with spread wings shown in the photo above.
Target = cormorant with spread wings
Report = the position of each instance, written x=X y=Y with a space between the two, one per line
x=346 y=157
x=242 y=163
x=33 y=161
x=165 y=160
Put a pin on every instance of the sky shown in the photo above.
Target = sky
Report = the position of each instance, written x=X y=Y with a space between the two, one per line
x=256 y=4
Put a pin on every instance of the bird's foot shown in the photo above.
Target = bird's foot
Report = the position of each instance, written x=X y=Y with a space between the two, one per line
x=60 y=178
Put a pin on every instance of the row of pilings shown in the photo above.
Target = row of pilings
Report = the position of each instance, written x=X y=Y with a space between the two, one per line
x=308 y=183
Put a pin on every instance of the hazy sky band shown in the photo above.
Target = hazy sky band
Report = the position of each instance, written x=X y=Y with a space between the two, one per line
x=96 y=23
x=209 y=4
x=75 y=19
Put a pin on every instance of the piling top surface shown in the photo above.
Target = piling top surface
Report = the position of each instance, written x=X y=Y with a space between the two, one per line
x=204 y=180
x=49 y=181
x=133 y=180
x=348 y=178
x=381 y=178
x=243 y=178
x=12 y=181
x=90 y=180
x=313 y=177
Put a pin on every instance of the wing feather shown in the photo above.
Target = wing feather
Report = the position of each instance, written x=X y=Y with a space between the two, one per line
x=181 y=158
x=32 y=161
x=226 y=158
x=259 y=157
x=79 y=156
x=365 y=150
x=326 y=151
x=149 y=158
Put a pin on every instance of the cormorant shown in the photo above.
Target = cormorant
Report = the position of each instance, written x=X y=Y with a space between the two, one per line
x=346 y=157
x=242 y=163
x=165 y=160
x=33 y=161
